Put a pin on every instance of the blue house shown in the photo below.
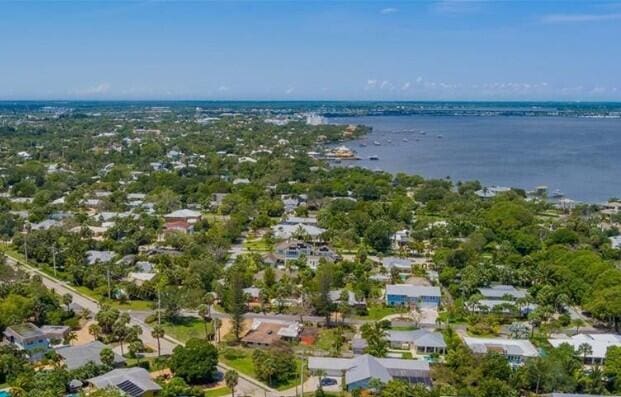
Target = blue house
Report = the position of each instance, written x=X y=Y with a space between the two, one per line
x=407 y=294
x=30 y=338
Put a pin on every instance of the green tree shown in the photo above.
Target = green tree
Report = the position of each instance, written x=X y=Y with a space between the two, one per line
x=196 y=362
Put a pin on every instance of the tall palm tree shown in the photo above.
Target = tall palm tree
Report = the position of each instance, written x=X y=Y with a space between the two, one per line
x=94 y=330
x=205 y=313
x=217 y=324
x=157 y=333
x=231 y=378
x=584 y=350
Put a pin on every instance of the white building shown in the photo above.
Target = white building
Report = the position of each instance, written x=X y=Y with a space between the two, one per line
x=599 y=344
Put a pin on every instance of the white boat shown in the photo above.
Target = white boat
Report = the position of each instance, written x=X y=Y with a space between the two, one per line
x=405 y=139
x=376 y=143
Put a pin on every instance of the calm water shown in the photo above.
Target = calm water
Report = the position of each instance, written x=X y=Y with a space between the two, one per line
x=579 y=156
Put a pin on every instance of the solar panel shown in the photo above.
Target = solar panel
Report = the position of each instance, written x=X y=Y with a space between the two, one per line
x=130 y=388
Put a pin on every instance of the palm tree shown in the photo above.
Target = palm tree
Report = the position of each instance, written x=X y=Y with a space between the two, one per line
x=94 y=330
x=157 y=333
x=585 y=350
x=70 y=337
x=204 y=311
x=231 y=378
x=217 y=324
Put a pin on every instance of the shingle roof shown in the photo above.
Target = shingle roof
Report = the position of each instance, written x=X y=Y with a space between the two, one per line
x=77 y=356
x=133 y=381
x=412 y=291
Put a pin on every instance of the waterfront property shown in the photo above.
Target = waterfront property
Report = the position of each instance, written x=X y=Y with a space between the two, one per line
x=358 y=371
x=407 y=294
x=517 y=351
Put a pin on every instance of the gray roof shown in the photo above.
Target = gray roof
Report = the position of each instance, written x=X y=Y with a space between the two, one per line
x=412 y=291
x=419 y=337
x=499 y=291
x=399 y=263
x=135 y=381
x=366 y=366
x=93 y=257
x=77 y=356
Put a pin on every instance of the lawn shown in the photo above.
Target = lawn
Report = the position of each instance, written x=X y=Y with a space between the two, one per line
x=185 y=328
x=240 y=359
x=377 y=312
x=257 y=245
x=136 y=305
x=218 y=392
x=326 y=338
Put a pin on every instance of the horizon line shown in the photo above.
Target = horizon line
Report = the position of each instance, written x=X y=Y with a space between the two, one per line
x=574 y=101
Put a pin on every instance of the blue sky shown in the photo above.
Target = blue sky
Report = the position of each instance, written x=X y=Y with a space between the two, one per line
x=362 y=50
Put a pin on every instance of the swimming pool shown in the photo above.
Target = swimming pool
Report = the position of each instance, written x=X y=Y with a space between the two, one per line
x=4 y=393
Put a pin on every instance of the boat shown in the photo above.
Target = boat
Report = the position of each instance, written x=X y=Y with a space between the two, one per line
x=423 y=133
x=389 y=140
x=363 y=144
x=374 y=157
x=376 y=143
x=405 y=139
x=440 y=137
x=557 y=194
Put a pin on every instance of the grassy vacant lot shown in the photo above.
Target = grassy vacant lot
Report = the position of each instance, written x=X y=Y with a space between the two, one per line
x=377 y=312
x=240 y=359
x=186 y=328
x=257 y=246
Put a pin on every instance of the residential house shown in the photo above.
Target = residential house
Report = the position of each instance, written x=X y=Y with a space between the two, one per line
x=185 y=215
x=285 y=231
x=421 y=340
x=28 y=337
x=75 y=357
x=55 y=333
x=93 y=257
x=45 y=224
x=357 y=372
x=615 y=242
x=292 y=250
x=599 y=344
x=139 y=278
x=407 y=294
x=393 y=262
x=265 y=332
x=517 y=351
x=134 y=382
x=352 y=300
x=400 y=239
x=501 y=298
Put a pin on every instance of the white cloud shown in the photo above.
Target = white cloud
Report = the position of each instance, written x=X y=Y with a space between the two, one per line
x=388 y=10
x=289 y=90
x=406 y=86
x=223 y=88
x=577 y=18
x=100 y=88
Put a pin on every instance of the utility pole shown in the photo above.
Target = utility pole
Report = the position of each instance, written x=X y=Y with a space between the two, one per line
x=26 y=230
x=159 y=306
x=54 y=259
x=109 y=287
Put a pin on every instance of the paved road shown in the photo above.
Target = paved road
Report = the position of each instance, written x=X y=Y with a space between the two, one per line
x=247 y=386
